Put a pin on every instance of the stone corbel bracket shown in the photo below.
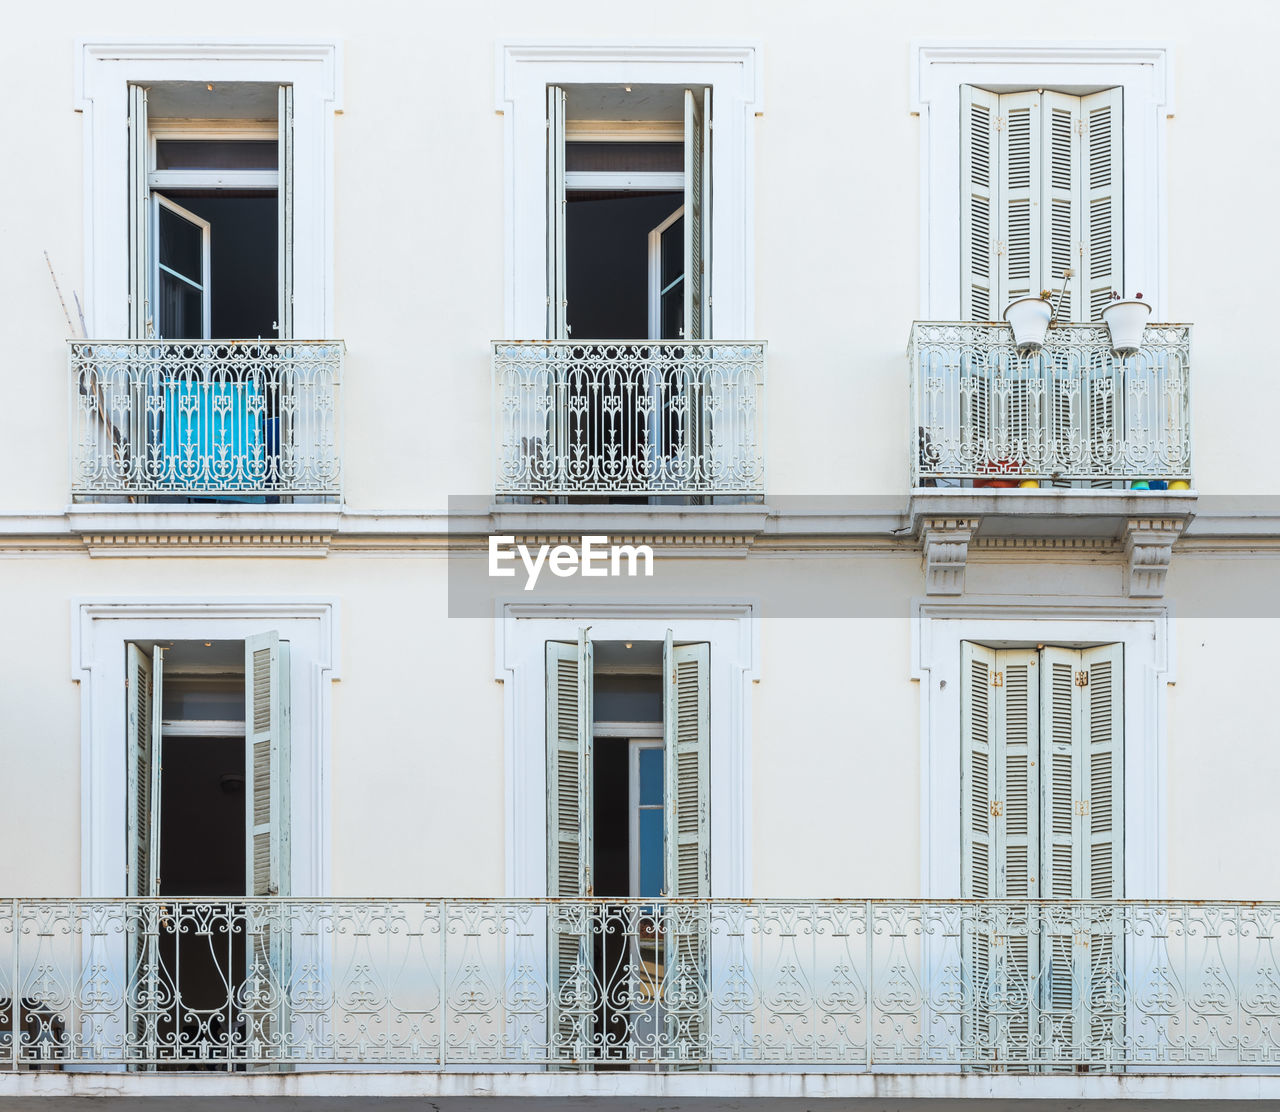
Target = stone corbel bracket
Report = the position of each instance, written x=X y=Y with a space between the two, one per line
x=946 y=552
x=1148 y=550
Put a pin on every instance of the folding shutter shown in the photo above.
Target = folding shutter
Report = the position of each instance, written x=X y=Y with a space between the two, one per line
x=686 y=732
x=569 y=861
x=1019 y=246
x=266 y=716
x=697 y=188
x=557 y=304
x=139 y=216
x=284 y=320
x=1060 y=192
x=979 y=159
x=1102 y=200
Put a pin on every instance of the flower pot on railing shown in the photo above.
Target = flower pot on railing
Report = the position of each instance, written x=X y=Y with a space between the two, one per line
x=1029 y=318
x=1125 y=321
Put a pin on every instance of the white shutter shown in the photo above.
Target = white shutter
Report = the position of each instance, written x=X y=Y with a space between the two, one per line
x=140 y=315
x=569 y=861
x=1019 y=246
x=1102 y=203
x=266 y=716
x=557 y=304
x=686 y=708
x=979 y=159
x=977 y=733
x=697 y=183
x=144 y=691
x=284 y=320
x=1060 y=228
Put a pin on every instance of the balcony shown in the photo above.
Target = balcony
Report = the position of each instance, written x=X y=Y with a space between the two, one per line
x=837 y=986
x=629 y=420
x=226 y=420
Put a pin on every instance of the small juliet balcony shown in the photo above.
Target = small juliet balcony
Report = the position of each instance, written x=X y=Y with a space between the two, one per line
x=205 y=420
x=629 y=420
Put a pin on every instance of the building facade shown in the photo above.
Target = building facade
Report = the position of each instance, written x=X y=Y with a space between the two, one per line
x=536 y=566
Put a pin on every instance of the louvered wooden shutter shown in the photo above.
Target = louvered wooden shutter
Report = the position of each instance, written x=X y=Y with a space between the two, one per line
x=557 y=303
x=697 y=181
x=1019 y=245
x=140 y=315
x=1060 y=190
x=284 y=207
x=686 y=710
x=979 y=159
x=569 y=860
x=144 y=692
x=1102 y=204
x=266 y=716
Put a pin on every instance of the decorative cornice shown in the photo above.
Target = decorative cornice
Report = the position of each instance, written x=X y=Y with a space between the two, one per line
x=946 y=552
x=1148 y=547
x=201 y=544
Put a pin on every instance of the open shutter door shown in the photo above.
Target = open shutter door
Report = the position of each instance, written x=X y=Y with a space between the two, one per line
x=979 y=159
x=557 y=303
x=284 y=320
x=1060 y=229
x=697 y=183
x=1019 y=246
x=139 y=217
x=686 y=707
x=1102 y=199
x=569 y=862
x=266 y=716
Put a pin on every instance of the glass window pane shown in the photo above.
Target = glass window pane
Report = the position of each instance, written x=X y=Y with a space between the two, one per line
x=180 y=245
x=181 y=310
x=651 y=777
x=217 y=154
x=633 y=157
x=651 y=866
x=673 y=252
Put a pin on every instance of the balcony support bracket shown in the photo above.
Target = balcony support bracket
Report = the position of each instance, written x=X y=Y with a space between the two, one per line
x=946 y=552
x=1148 y=549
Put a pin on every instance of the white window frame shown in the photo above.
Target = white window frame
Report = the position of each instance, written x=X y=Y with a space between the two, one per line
x=159 y=201
x=521 y=633
x=655 y=272
x=937 y=629
x=205 y=131
x=635 y=745
x=105 y=69
x=524 y=70
x=100 y=630
x=1143 y=70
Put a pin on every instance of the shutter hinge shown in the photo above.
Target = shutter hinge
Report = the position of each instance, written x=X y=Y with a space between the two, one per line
x=999 y=247
x=1082 y=807
x=997 y=807
x=997 y=679
x=999 y=123
x=1082 y=679
x=1080 y=126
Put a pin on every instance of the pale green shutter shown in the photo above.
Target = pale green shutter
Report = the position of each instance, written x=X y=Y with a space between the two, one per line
x=569 y=860
x=557 y=303
x=284 y=208
x=979 y=159
x=140 y=315
x=697 y=181
x=1019 y=246
x=266 y=716
x=686 y=724
x=1102 y=200
x=1060 y=228
x=977 y=834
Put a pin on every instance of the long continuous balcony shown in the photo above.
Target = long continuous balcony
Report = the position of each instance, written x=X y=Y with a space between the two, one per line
x=837 y=985
x=176 y=419
x=632 y=418
x=1073 y=414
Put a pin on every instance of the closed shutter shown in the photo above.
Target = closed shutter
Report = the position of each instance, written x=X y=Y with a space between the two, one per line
x=1060 y=189
x=686 y=709
x=979 y=160
x=569 y=860
x=1019 y=243
x=1102 y=204
x=557 y=303
x=697 y=190
x=266 y=717
x=139 y=217
x=284 y=321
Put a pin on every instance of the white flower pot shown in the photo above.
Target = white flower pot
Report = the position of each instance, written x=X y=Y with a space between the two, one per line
x=1029 y=318
x=1126 y=320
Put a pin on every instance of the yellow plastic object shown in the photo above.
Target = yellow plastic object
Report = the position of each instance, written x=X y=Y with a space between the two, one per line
x=1029 y=484
x=1179 y=484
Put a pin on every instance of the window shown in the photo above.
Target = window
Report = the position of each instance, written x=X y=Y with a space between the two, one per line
x=1042 y=818
x=1042 y=193
x=628 y=820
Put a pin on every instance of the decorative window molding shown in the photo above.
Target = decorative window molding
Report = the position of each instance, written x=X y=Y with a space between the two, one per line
x=524 y=70
x=522 y=631
x=939 y=626
x=105 y=69
x=1143 y=70
x=100 y=629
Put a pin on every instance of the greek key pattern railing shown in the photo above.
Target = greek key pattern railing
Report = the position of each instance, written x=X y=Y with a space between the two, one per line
x=851 y=985
x=204 y=418
x=643 y=417
x=1073 y=413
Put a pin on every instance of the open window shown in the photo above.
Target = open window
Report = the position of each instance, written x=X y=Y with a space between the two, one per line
x=628 y=779
x=208 y=746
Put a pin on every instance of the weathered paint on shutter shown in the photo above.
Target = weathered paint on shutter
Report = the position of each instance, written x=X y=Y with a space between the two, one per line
x=1060 y=208
x=979 y=203
x=977 y=732
x=140 y=315
x=569 y=859
x=284 y=207
x=557 y=304
x=1102 y=199
x=1019 y=246
x=686 y=719
x=696 y=182
x=266 y=716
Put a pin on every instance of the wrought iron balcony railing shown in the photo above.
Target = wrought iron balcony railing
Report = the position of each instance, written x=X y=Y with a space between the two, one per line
x=183 y=418
x=832 y=985
x=647 y=417
x=1073 y=414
